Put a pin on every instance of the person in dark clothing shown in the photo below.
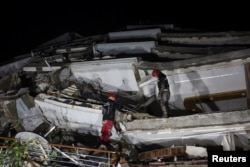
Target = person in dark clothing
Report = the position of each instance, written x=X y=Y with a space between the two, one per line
x=108 y=118
x=164 y=93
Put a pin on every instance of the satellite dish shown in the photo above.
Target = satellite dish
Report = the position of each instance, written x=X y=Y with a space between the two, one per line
x=29 y=136
x=37 y=145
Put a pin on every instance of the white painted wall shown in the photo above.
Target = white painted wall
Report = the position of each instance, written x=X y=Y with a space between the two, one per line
x=135 y=34
x=123 y=47
x=114 y=75
x=215 y=80
x=72 y=117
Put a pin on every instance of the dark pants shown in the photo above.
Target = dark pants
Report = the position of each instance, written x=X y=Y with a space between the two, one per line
x=164 y=97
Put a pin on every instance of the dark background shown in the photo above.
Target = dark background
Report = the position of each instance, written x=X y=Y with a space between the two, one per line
x=28 y=24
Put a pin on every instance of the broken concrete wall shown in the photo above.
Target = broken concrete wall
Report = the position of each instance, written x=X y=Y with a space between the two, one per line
x=21 y=112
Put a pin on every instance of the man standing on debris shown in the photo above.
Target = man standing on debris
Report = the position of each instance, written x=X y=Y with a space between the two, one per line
x=108 y=118
x=164 y=93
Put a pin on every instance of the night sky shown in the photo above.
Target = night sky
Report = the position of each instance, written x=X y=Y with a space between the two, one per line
x=28 y=24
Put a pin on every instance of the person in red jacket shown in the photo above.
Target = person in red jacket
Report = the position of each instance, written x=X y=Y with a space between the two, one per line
x=108 y=118
x=164 y=93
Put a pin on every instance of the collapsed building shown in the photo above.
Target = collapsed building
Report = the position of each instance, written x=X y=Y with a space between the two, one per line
x=60 y=86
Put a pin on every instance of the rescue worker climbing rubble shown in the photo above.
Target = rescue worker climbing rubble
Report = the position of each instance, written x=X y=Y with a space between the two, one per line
x=164 y=93
x=108 y=118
